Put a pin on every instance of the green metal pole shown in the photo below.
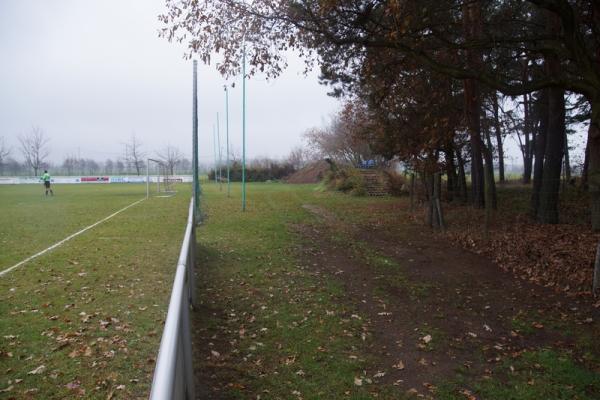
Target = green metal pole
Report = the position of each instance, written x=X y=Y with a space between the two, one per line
x=215 y=151
x=195 y=142
x=244 y=127
x=227 y=134
x=219 y=153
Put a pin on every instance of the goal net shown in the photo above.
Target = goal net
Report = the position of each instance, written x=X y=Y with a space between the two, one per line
x=159 y=179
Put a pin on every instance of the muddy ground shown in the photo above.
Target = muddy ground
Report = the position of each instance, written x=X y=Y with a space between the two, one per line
x=429 y=309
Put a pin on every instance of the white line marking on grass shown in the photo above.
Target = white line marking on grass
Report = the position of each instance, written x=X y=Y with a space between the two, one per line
x=55 y=245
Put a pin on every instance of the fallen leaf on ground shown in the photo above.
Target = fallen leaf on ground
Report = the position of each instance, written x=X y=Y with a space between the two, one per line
x=399 y=365
x=38 y=370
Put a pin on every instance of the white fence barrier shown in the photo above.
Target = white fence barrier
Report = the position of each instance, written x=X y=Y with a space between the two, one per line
x=173 y=374
x=21 y=180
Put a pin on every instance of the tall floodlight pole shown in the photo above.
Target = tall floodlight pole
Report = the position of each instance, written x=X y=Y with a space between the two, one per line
x=244 y=126
x=215 y=150
x=147 y=178
x=219 y=154
x=195 y=142
x=227 y=138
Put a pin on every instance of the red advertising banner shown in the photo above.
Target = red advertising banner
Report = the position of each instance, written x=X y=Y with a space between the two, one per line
x=94 y=179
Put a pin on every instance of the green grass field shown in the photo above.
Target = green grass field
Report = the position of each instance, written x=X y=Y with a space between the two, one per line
x=283 y=331
x=85 y=319
x=31 y=222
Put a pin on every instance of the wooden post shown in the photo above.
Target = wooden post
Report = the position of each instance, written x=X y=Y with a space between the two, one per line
x=488 y=201
x=412 y=191
x=440 y=215
x=427 y=183
x=437 y=183
x=596 y=280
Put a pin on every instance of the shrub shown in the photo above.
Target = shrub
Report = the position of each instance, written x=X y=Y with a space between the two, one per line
x=347 y=180
x=269 y=171
x=398 y=184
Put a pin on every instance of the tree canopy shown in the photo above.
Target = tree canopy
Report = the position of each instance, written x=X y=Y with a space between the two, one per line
x=424 y=68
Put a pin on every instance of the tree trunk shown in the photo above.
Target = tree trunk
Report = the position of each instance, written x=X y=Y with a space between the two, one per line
x=593 y=172
x=498 y=139
x=451 y=184
x=437 y=188
x=430 y=211
x=488 y=170
x=526 y=134
x=489 y=183
x=586 y=163
x=462 y=178
x=472 y=25
x=567 y=161
x=593 y=144
x=488 y=199
x=540 y=150
x=472 y=106
x=555 y=139
x=549 y=191
x=412 y=191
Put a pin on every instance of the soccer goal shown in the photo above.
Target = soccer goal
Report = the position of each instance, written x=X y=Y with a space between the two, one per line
x=159 y=180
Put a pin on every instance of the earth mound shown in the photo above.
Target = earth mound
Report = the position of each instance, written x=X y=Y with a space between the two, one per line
x=312 y=173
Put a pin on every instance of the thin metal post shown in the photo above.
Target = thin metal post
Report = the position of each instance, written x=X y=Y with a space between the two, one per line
x=596 y=278
x=219 y=149
x=215 y=151
x=244 y=127
x=227 y=140
x=158 y=180
x=147 y=178
x=195 y=142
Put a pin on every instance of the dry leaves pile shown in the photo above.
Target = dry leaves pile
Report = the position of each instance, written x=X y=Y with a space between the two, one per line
x=557 y=256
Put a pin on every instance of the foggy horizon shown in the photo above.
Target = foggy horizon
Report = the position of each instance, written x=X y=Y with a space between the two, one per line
x=90 y=74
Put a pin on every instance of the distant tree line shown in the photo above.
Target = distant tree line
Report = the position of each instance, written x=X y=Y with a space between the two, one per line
x=258 y=170
x=34 y=151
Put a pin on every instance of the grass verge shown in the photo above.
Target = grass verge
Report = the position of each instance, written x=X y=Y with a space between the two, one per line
x=85 y=319
x=284 y=327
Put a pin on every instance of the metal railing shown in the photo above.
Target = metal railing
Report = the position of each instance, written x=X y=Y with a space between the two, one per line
x=173 y=374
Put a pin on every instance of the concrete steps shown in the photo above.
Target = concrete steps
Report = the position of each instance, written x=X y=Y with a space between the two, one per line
x=375 y=182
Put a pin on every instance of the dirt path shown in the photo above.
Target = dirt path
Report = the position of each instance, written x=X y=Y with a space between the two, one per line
x=437 y=310
x=358 y=302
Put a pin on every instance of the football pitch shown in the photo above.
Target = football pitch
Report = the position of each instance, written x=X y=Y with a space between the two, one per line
x=85 y=318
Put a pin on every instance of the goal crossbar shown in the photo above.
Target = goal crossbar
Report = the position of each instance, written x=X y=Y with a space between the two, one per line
x=166 y=179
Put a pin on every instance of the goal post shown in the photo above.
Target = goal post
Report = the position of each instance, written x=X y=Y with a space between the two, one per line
x=163 y=176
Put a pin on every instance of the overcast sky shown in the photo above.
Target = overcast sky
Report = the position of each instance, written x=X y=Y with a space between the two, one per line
x=90 y=73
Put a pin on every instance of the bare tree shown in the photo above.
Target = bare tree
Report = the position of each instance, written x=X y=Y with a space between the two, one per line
x=4 y=153
x=343 y=139
x=91 y=166
x=70 y=163
x=171 y=156
x=13 y=167
x=34 y=147
x=134 y=156
x=109 y=166
x=120 y=167
x=298 y=157
x=185 y=165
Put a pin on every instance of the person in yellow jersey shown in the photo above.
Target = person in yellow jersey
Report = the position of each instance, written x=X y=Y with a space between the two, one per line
x=46 y=178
